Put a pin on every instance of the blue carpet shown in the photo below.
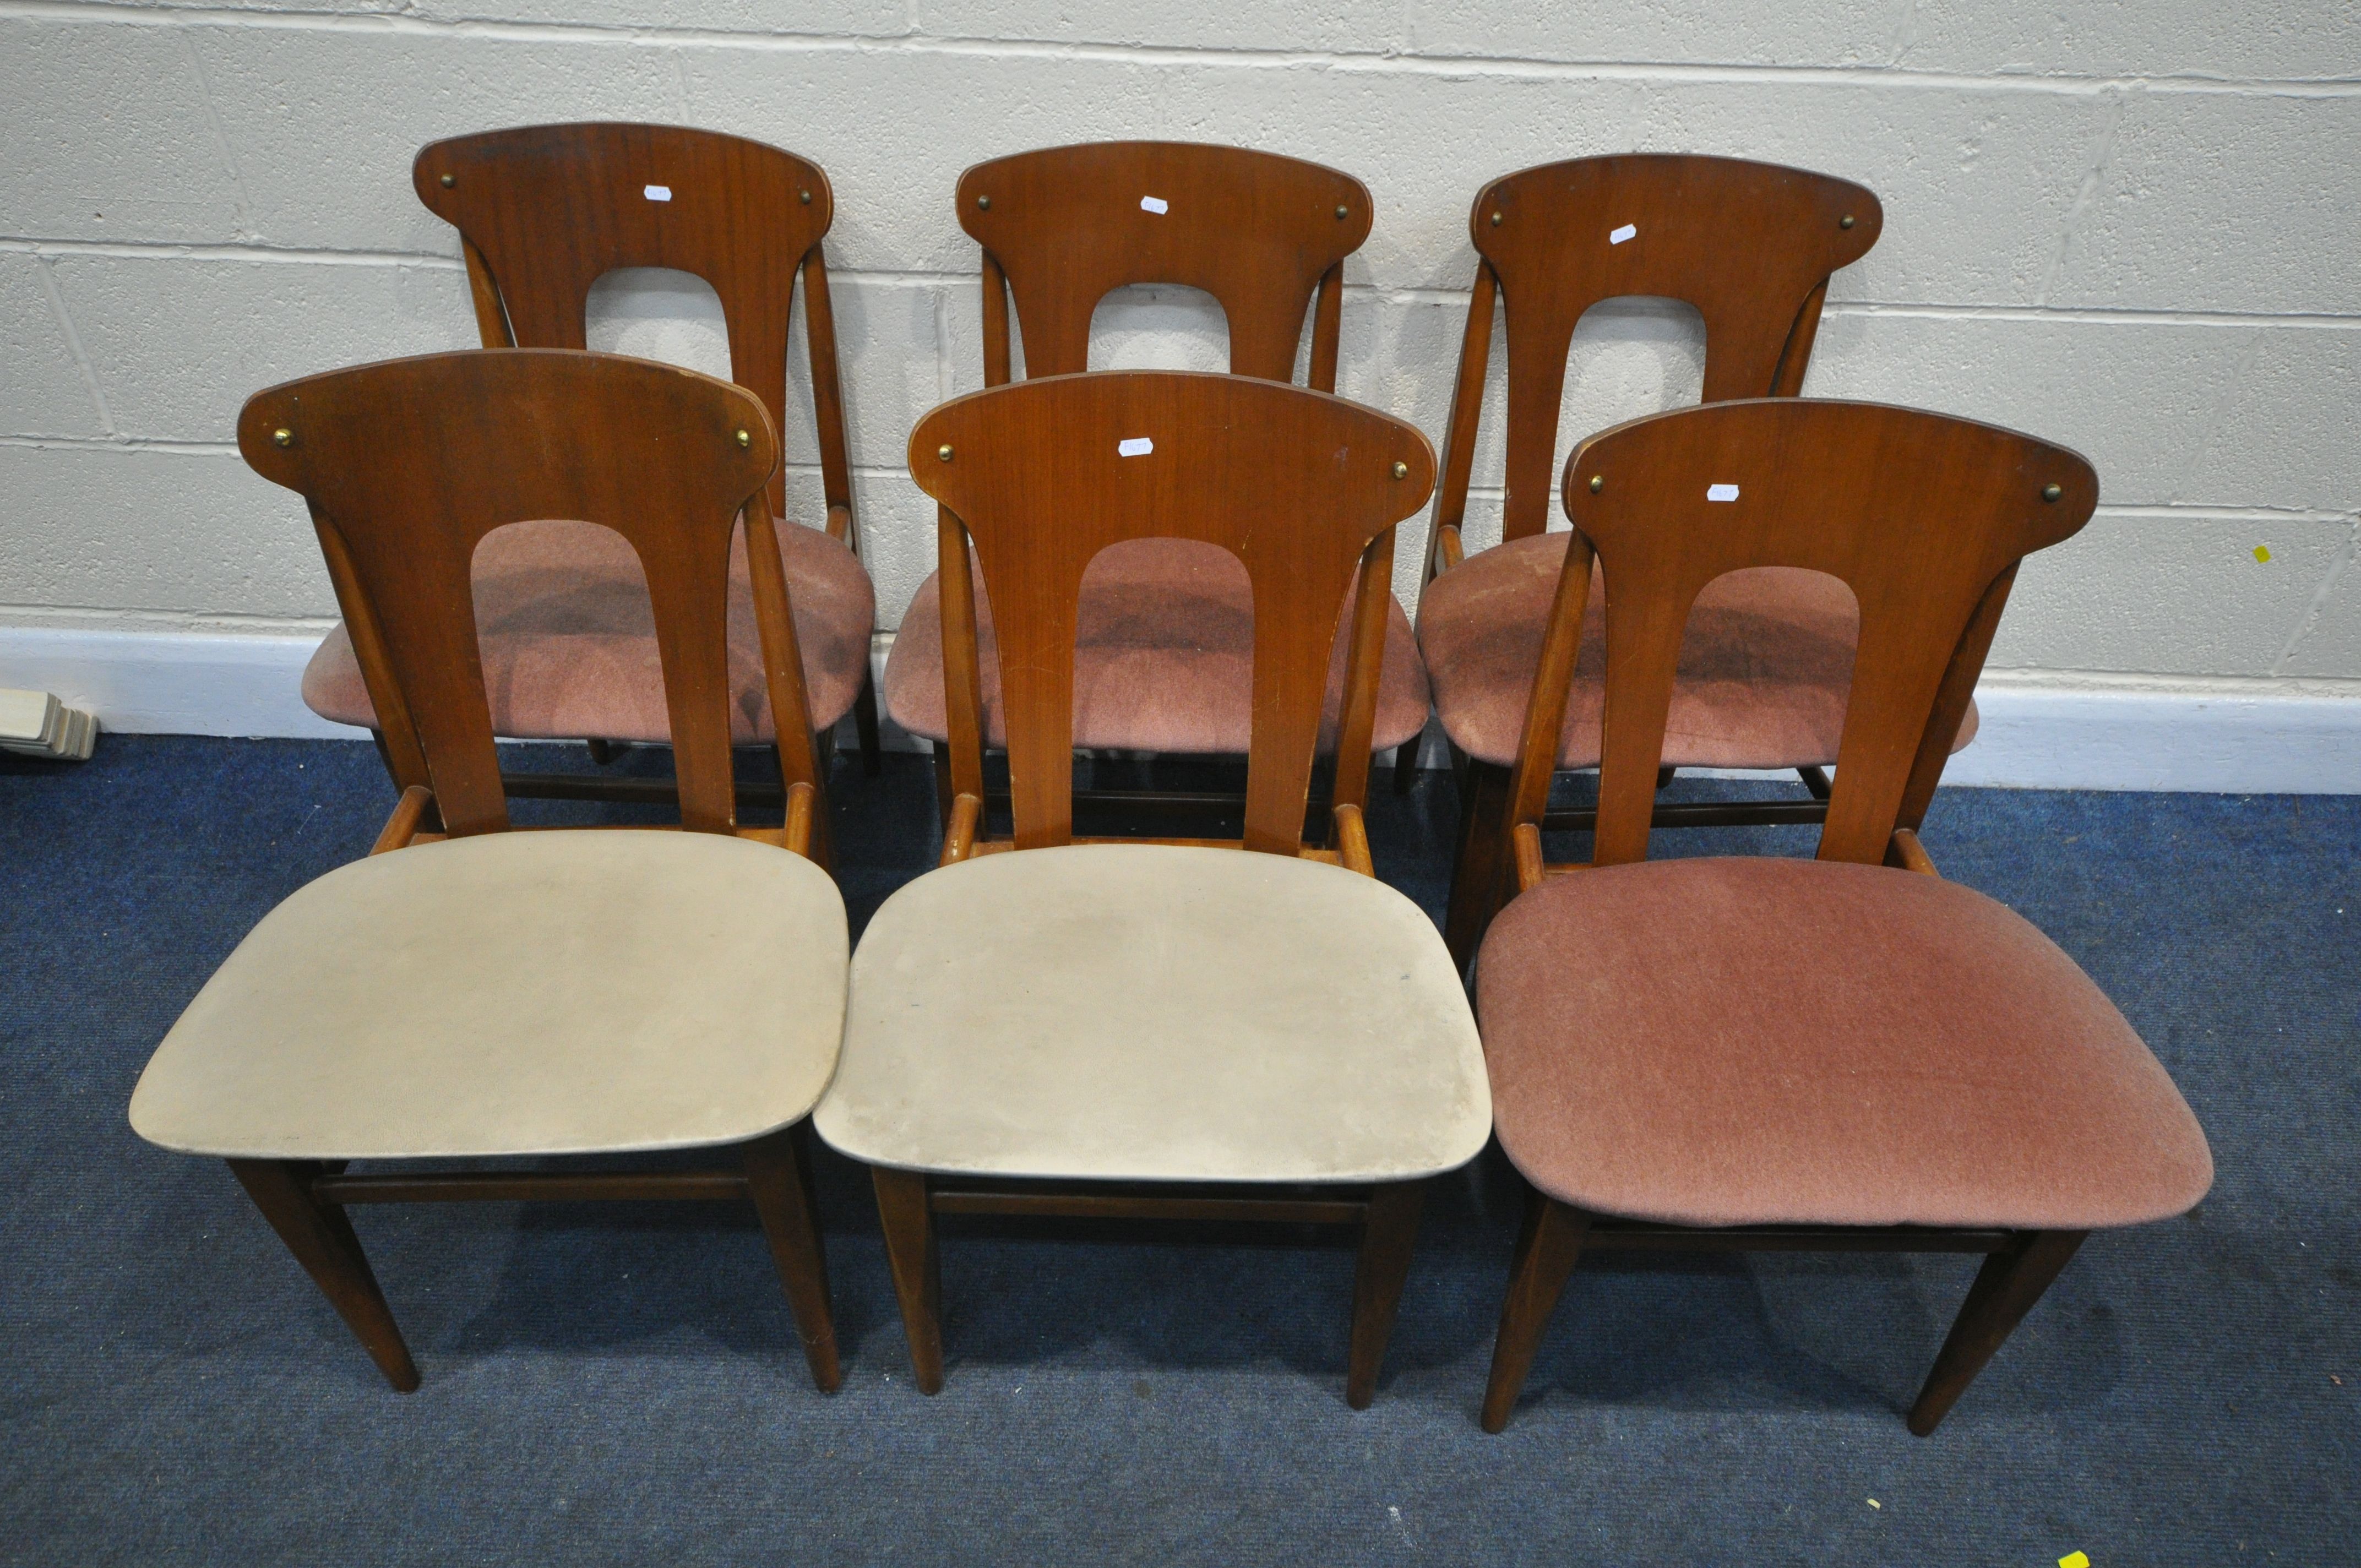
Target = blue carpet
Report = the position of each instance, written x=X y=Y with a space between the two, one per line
x=619 y=1383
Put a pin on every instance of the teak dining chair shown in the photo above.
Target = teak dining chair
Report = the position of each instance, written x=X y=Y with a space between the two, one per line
x=1165 y=638
x=471 y=991
x=1750 y=246
x=1756 y=1053
x=543 y=212
x=1158 y=1027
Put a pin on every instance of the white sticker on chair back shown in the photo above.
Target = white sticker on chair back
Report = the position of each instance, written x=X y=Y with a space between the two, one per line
x=1627 y=231
x=1135 y=446
x=1721 y=492
x=658 y=193
x=1153 y=204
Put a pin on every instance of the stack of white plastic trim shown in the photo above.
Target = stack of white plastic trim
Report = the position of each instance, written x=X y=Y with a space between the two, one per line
x=38 y=725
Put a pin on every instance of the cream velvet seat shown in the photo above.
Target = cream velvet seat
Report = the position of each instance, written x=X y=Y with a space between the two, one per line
x=497 y=996
x=1157 y=1013
x=1241 y=1030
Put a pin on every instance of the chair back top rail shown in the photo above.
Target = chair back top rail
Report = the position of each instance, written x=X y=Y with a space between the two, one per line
x=1923 y=516
x=1043 y=474
x=1750 y=245
x=546 y=210
x=408 y=463
x=1065 y=226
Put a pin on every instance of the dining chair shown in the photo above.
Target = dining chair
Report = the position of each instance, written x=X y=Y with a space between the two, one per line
x=1748 y=1053
x=1750 y=246
x=1163 y=644
x=468 y=990
x=1049 y=1024
x=543 y=212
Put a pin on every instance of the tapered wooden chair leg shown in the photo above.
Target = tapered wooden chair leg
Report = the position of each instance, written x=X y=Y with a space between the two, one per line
x=322 y=1240
x=778 y=1178
x=1483 y=861
x=2007 y=1286
x=1388 y=1236
x=1546 y=1250
x=918 y=1270
x=864 y=723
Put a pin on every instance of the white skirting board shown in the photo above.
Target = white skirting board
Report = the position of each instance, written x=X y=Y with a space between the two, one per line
x=2044 y=733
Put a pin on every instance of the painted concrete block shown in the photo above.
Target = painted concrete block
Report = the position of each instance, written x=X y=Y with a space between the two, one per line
x=42 y=392
x=2224 y=202
x=2328 y=644
x=860 y=18
x=2278 y=39
x=179 y=346
x=1834 y=32
x=1351 y=26
x=2179 y=592
x=131 y=528
x=2292 y=431
x=324 y=122
x=107 y=136
x=2137 y=399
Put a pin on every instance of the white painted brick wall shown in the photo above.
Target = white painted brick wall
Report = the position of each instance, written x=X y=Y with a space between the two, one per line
x=2126 y=225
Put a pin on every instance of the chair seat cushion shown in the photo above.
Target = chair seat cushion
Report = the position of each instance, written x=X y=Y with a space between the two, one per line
x=515 y=993
x=1143 y=1012
x=1163 y=658
x=1759 y=1041
x=1765 y=669
x=569 y=640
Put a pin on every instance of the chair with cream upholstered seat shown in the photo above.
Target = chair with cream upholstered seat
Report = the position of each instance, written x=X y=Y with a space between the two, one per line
x=543 y=212
x=1164 y=641
x=1847 y=1052
x=1158 y=1027
x=1762 y=685
x=467 y=992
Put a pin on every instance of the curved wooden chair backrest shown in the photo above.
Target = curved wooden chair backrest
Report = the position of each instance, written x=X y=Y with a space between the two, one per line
x=406 y=466
x=543 y=212
x=1750 y=245
x=1133 y=454
x=1924 y=516
x=1064 y=227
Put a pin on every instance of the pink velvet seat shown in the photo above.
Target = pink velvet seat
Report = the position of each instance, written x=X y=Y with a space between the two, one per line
x=1163 y=659
x=1765 y=670
x=1728 y=1042
x=569 y=645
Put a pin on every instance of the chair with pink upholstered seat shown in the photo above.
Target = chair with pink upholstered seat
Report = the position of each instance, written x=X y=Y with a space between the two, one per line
x=1848 y=1052
x=1163 y=653
x=1762 y=685
x=562 y=608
